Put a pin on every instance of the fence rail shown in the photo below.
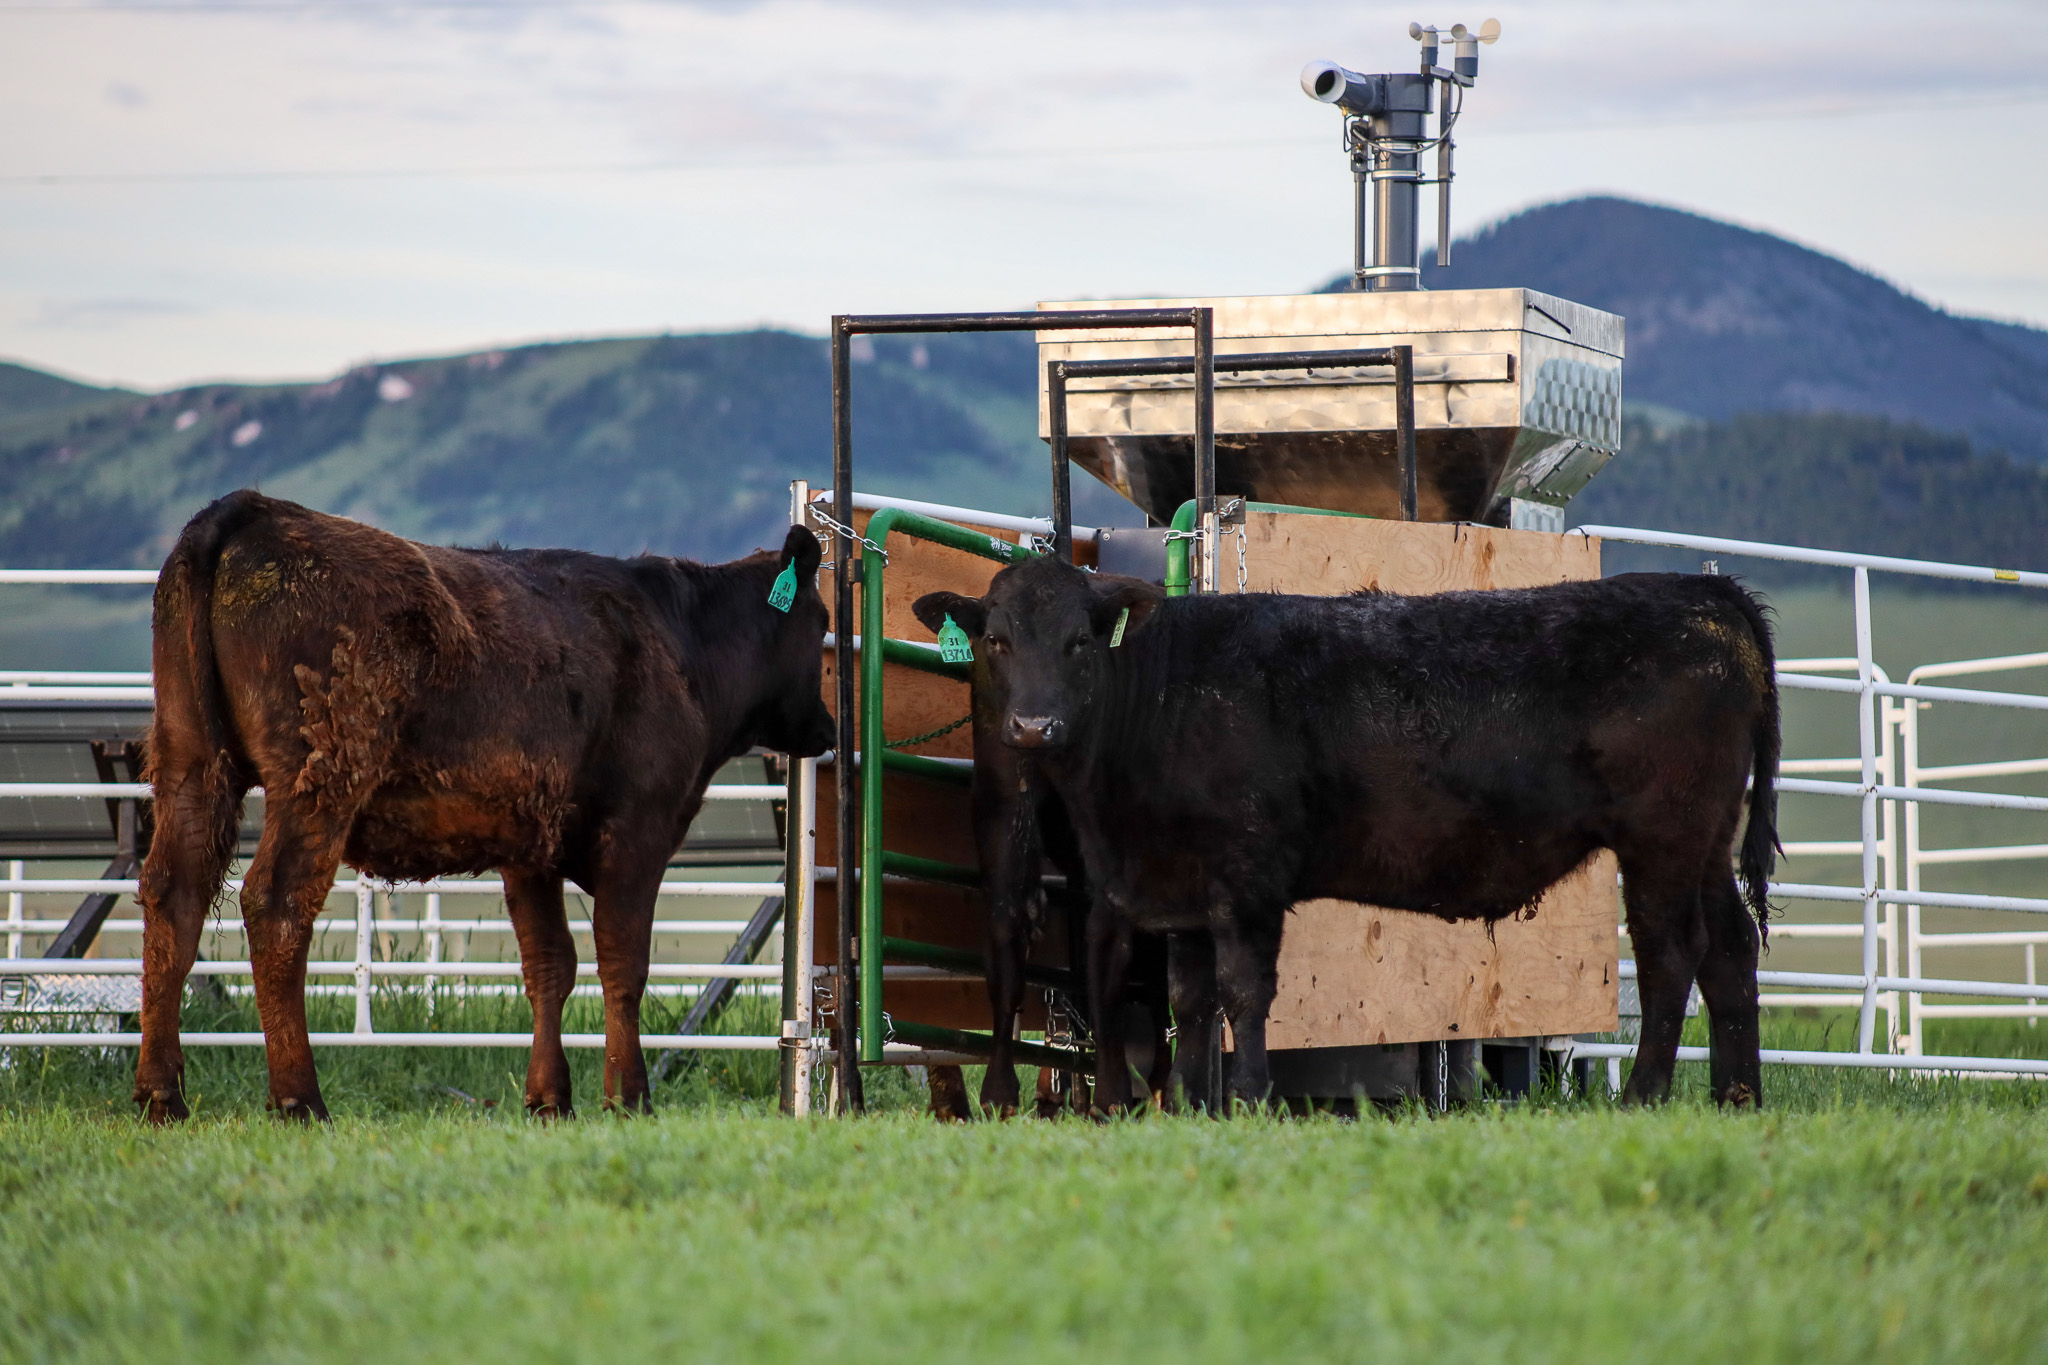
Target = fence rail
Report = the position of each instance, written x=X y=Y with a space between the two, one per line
x=1891 y=790
x=1885 y=778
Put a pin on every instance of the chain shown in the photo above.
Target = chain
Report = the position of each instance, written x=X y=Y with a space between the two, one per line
x=1240 y=557
x=916 y=740
x=842 y=528
x=888 y=1028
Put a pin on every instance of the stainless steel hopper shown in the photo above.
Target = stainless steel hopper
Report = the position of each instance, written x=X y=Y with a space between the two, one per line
x=1517 y=397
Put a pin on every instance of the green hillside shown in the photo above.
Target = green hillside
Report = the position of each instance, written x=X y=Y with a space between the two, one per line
x=683 y=444
x=1823 y=481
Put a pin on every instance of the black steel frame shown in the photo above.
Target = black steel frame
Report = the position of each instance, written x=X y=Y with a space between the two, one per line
x=1202 y=364
x=846 y=568
x=1057 y=372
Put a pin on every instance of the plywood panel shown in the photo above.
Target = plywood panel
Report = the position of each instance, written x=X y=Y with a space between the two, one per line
x=1354 y=974
x=1324 y=556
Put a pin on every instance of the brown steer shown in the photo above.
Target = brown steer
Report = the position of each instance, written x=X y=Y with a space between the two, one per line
x=417 y=711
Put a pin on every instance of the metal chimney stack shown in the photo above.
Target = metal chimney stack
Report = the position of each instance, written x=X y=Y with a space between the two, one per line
x=1386 y=134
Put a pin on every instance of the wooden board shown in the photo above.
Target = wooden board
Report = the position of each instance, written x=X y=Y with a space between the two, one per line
x=1352 y=974
x=1355 y=974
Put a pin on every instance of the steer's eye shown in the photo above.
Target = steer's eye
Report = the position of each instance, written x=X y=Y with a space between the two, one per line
x=1075 y=645
x=998 y=645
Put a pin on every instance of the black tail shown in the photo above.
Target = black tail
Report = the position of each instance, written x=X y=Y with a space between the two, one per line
x=187 y=674
x=1760 y=846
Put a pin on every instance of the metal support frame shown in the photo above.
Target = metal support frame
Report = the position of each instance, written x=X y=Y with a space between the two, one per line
x=131 y=842
x=1058 y=372
x=846 y=780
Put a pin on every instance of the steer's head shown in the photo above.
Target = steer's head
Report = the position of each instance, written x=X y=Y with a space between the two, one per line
x=1041 y=645
x=792 y=715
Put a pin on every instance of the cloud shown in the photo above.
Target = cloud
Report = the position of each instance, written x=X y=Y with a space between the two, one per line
x=101 y=315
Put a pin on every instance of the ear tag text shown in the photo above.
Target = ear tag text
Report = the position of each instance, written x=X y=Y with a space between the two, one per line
x=1116 y=637
x=954 y=646
x=783 y=595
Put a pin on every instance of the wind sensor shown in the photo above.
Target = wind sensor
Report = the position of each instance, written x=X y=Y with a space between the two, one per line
x=1386 y=132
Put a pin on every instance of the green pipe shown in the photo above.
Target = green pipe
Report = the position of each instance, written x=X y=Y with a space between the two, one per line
x=923 y=658
x=931 y=770
x=930 y=870
x=1184 y=522
x=982 y=1044
x=874 y=559
x=966 y=960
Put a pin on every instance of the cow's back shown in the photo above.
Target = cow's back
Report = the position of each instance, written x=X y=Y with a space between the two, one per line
x=1386 y=747
x=470 y=704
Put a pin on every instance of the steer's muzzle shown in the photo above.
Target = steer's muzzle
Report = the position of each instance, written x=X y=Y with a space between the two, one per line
x=1034 y=732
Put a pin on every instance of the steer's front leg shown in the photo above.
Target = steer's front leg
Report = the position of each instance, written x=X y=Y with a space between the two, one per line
x=1109 y=965
x=1247 y=977
x=1191 y=986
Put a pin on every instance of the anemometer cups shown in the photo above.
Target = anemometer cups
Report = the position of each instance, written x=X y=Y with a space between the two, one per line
x=1349 y=91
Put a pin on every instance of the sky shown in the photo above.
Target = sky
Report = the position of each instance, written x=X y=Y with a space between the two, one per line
x=213 y=189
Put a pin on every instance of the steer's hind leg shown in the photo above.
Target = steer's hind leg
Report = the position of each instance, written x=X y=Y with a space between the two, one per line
x=622 y=923
x=547 y=958
x=282 y=894
x=1727 y=976
x=1664 y=924
x=197 y=810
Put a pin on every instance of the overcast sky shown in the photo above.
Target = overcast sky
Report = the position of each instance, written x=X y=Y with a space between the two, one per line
x=272 y=189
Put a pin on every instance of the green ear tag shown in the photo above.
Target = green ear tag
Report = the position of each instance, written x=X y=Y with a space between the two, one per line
x=954 y=646
x=1116 y=637
x=783 y=595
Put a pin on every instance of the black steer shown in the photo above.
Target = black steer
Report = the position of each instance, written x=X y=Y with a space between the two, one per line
x=1453 y=754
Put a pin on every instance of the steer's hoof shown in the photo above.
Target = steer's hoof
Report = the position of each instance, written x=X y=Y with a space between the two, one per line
x=1001 y=1112
x=548 y=1111
x=163 y=1106
x=1741 y=1096
x=299 y=1110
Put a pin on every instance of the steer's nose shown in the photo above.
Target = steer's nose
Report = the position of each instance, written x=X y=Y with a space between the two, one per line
x=1033 y=732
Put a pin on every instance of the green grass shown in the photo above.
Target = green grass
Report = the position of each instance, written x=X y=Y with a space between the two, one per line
x=1860 y=1218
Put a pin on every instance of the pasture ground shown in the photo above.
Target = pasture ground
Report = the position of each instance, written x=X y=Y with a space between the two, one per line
x=1858 y=1219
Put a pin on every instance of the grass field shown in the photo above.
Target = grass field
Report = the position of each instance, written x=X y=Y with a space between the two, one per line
x=1859 y=1218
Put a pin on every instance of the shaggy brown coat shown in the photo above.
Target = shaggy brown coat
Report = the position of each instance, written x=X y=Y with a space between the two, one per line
x=417 y=711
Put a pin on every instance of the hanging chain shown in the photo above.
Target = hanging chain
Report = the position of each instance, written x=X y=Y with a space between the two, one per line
x=1240 y=557
x=819 y=514
x=916 y=740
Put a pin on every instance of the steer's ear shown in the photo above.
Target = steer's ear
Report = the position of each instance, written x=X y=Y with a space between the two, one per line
x=800 y=548
x=1137 y=597
x=934 y=607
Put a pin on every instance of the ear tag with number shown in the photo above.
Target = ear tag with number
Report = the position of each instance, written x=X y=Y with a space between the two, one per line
x=954 y=646
x=1116 y=637
x=783 y=595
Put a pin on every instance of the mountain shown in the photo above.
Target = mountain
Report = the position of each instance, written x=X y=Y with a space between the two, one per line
x=1822 y=480
x=683 y=444
x=1797 y=399
x=1724 y=320
x=24 y=391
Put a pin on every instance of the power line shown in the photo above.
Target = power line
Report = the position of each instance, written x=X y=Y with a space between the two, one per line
x=965 y=157
x=315 y=6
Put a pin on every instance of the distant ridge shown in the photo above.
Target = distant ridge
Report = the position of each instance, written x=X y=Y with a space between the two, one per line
x=1878 y=421
x=1725 y=320
x=24 y=391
